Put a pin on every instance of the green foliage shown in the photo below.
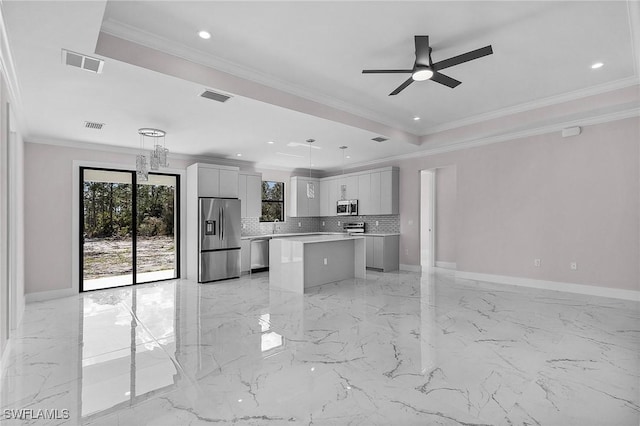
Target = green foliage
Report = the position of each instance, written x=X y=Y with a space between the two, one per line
x=272 y=201
x=108 y=210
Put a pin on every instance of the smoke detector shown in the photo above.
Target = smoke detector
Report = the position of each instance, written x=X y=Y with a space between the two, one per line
x=81 y=61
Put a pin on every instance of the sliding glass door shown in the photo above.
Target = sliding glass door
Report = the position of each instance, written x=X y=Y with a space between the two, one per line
x=127 y=226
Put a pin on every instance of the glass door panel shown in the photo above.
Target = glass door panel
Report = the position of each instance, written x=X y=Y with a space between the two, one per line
x=156 y=241
x=107 y=234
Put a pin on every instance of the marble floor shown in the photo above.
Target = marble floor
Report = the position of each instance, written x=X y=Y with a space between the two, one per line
x=394 y=349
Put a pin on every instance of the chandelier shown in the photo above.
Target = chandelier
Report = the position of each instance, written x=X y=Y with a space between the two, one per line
x=157 y=156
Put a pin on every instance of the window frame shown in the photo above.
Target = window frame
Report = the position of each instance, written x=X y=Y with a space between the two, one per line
x=282 y=202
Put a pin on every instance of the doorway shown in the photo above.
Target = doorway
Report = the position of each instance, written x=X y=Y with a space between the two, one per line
x=427 y=218
x=128 y=229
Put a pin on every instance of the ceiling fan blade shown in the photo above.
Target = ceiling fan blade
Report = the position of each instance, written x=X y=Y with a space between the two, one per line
x=402 y=87
x=445 y=79
x=386 y=71
x=465 y=57
x=422 y=50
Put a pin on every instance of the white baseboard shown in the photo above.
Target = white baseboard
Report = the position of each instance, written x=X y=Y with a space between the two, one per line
x=410 y=268
x=41 y=296
x=446 y=265
x=4 y=359
x=615 y=293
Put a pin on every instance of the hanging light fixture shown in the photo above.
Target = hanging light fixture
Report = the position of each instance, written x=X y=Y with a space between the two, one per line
x=343 y=187
x=158 y=155
x=311 y=190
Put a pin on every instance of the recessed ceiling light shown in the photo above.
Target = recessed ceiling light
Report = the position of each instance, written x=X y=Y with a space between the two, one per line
x=416 y=118
x=597 y=65
x=238 y=155
x=270 y=142
x=206 y=35
x=348 y=156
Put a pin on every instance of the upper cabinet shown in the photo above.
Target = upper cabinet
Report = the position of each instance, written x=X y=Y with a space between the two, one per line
x=377 y=192
x=250 y=194
x=208 y=180
x=304 y=197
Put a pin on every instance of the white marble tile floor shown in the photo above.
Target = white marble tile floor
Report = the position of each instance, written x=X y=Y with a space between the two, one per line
x=392 y=349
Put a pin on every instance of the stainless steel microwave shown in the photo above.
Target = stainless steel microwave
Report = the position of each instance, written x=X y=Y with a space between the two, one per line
x=347 y=208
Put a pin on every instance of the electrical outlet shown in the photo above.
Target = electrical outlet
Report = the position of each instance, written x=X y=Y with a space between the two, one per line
x=376 y=223
x=323 y=223
x=338 y=223
x=299 y=224
x=325 y=260
x=537 y=262
x=244 y=226
x=573 y=266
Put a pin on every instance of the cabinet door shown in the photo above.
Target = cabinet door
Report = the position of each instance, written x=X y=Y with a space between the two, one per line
x=334 y=196
x=375 y=193
x=364 y=194
x=245 y=255
x=228 y=183
x=242 y=194
x=254 y=196
x=314 y=203
x=352 y=188
x=388 y=192
x=302 y=202
x=369 y=243
x=209 y=182
x=378 y=252
x=324 y=198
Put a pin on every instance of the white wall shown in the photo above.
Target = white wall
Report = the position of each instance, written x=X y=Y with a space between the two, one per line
x=446 y=214
x=558 y=199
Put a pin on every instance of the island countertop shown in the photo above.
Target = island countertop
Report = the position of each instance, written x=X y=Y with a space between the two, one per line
x=310 y=239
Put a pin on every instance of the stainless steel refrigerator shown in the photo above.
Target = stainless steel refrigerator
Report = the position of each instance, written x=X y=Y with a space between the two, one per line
x=219 y=239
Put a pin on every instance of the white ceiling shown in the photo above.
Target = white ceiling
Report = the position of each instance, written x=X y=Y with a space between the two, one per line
x=316 y=51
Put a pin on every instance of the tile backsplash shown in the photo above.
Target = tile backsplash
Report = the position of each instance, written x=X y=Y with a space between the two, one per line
x=386 y=223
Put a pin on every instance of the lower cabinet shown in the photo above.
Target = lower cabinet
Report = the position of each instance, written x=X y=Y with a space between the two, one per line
x=245 y=256
x=383 y=252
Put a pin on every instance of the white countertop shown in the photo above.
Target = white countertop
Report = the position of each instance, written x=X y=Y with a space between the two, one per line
x=296 y=234
x=380 y=234
x=307 y=239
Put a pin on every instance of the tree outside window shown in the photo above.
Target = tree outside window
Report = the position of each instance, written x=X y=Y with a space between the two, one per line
x=272 y=201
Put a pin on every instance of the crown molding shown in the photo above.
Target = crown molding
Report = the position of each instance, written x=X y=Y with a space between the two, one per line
x=481 y=141
x=154 y=41
x=538 y=103
x=244 y=165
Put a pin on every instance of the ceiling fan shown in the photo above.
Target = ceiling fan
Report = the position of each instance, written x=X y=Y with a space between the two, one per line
x=425 y=69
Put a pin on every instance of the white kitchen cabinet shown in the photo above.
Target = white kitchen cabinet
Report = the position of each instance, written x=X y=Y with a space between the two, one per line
x=245 y=256
x=374 y=199
x=300 y=205
x=209 y=180
x=365 y=207
x=324 y=198
x=383 y=252
x=334 y=196
x=250 y=194
x=389 y=191
x=348 y=187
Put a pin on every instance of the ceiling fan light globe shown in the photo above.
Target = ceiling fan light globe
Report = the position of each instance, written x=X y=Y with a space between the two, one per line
x=422 y=74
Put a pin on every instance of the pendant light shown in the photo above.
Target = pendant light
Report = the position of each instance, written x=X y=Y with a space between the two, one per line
x=311 y=190
x=158 y=155
x=343 y=187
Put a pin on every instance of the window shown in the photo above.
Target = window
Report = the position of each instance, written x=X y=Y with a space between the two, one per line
x=272 y=201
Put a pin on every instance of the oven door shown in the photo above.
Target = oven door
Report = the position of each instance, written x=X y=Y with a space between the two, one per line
x=342 y=208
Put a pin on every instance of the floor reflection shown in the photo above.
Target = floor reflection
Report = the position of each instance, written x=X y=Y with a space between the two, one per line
x=125 y=336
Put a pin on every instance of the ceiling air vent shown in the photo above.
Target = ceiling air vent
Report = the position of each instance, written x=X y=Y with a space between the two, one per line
x=81 y=61
x=379 y=139
x=215 y=96
x=93 y=125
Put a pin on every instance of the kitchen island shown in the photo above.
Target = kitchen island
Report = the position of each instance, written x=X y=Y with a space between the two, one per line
x=298 y=263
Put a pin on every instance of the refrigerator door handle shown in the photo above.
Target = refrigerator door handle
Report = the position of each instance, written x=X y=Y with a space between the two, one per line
x=222 y=232
x=219 y=223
